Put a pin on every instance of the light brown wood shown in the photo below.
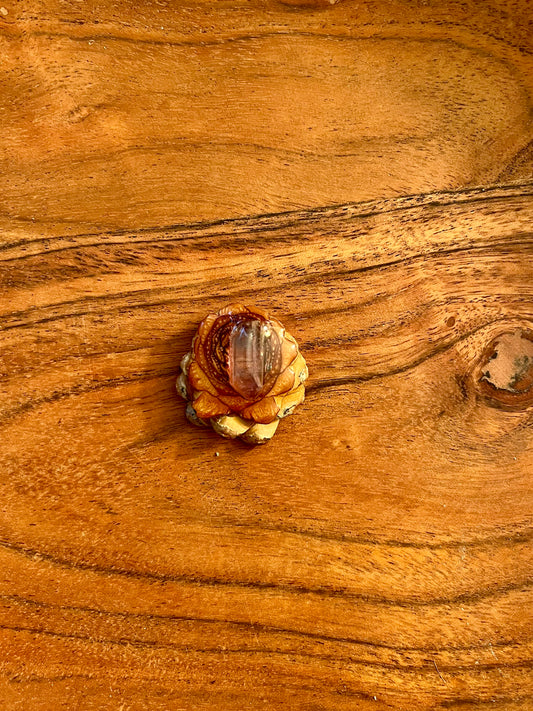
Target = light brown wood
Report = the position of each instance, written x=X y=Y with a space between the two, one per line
x=131 y=116
x=377 y=553
x=378 y=546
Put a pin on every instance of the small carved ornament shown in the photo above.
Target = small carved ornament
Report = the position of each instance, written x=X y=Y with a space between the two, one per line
x=243 y=374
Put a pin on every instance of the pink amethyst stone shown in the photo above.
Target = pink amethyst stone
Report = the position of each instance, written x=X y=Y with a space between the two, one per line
x=254 y=357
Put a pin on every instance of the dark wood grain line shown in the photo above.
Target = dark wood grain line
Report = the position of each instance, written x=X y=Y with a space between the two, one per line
x=260 y=222
x=317 y=386
x=140 y=40
x=497 y=702
x=424 y=668
x=82 y=389
x=499 y=540
x=20 y=678
x=255 y=291
x=325 y=592
x=260 y=627
x=523 y=154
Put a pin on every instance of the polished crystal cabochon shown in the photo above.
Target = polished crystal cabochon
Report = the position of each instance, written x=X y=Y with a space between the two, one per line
x=254 y=357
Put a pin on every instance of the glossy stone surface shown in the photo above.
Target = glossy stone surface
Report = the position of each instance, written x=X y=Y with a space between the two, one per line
x=254 y=357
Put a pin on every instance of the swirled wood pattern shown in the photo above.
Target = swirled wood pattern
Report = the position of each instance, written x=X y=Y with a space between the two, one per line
x=377 y=554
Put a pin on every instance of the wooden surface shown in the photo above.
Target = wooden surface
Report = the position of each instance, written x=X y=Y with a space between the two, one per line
x=365 y=172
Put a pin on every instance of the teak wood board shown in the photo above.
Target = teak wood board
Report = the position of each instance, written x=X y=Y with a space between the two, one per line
x=364 y=172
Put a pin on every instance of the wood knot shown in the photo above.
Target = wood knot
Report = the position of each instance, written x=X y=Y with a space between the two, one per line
x=504 y=375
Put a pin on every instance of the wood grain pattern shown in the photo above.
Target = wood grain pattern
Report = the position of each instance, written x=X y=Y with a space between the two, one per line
x=153 y=116
x=380 y=545
x=377 y=554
